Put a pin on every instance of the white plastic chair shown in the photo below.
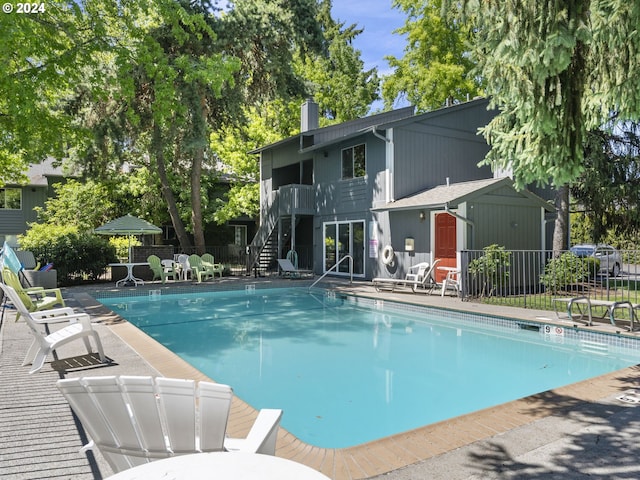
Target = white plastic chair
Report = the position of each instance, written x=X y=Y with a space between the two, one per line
x=44 y=343
x=185 y=266
x=136 y=420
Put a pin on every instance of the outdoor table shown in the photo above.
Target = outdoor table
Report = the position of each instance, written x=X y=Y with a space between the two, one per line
x=452 y=272
x=221 y=466
x=130 y=277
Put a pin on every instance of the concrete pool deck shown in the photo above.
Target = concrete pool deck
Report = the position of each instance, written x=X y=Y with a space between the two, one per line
x=578 y=431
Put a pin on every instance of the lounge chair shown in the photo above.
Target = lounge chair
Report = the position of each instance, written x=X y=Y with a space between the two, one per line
x=584 y=309
x=423 y=280
x=44 y=342
x=209 y=262
x=161 y=271
x=136 y=420
x=35 y=298
x=287 y=269
x=198 y=269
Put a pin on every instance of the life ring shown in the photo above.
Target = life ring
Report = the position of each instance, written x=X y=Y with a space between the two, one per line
x=388 y=255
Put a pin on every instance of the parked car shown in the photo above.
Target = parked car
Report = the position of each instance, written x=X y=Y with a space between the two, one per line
x=610 y=258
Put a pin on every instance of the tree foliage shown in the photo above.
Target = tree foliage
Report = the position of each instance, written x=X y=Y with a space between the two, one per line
x=554 y=69
x=609 y=187
x=435 y=67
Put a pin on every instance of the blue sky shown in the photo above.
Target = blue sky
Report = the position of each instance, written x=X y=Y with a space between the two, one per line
x=379 y=20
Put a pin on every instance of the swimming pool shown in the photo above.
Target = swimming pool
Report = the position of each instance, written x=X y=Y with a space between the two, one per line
x=348 y=370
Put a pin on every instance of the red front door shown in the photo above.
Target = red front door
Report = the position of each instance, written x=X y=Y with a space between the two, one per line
x=445 y=244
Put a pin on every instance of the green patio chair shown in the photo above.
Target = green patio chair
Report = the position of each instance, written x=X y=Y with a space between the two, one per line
x=198 y=269
x=161 y=271
x=209 y=262
x=34 y=299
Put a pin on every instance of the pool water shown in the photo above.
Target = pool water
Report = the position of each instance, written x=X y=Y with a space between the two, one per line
x=346 y=373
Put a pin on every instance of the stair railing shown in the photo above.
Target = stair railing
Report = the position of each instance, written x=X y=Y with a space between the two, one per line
x=336 y=266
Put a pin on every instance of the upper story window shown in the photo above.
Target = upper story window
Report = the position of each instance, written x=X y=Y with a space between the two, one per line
x=11 y=198
x=353 y=162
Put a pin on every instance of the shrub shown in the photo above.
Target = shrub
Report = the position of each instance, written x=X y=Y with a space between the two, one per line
x=122 y=243
x=75 y=256
x=567 y=269
x=492 y=269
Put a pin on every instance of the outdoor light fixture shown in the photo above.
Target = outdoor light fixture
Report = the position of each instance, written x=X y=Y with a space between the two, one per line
x=422 y=215
x=409 y=245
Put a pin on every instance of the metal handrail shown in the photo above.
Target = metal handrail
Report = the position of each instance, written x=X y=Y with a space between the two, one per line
x=336 y=266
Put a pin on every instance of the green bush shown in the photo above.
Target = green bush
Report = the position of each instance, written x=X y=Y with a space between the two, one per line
x=492 y=269
x=76 y=256
x=567 y=269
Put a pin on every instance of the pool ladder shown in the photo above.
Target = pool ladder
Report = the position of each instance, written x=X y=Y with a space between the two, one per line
x=336 y=266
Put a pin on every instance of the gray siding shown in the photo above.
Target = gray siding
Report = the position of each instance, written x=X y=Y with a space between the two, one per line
x=512 y=225
x=14 y=222
x=424 y=158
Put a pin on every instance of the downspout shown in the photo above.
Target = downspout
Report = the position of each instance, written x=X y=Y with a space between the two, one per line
x=390 y=161
x=465 y=220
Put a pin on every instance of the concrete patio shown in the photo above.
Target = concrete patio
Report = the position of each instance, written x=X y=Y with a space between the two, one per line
x=579 y=431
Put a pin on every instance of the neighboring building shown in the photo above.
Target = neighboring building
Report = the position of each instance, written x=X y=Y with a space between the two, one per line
x=17 y=202
x=393 y=181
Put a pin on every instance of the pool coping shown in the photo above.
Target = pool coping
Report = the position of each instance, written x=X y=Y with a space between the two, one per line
x=403 y=449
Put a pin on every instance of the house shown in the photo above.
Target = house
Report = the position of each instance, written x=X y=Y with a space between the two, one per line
x=17 y=202
x=390 y=190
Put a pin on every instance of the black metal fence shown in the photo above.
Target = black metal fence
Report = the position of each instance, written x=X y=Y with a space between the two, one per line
x=532 y=279
x=236 y=258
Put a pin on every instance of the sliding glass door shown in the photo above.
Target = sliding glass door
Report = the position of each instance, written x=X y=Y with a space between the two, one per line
x=342 y=239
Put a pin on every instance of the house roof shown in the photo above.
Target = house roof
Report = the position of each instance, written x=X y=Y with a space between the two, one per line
x=455 y=193
x=384 y=123
x=39 y=172
x=341 y=131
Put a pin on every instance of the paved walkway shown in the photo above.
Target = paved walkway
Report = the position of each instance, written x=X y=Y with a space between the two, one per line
x=575 y=439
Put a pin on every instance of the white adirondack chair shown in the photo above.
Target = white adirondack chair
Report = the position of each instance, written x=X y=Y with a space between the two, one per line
x=44 y=343
x=135 y=420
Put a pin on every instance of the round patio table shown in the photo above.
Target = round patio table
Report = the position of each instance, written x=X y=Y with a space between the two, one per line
x=221 y=466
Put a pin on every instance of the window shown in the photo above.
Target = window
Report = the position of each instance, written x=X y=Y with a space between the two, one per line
x=353 y=162
x=240 y=235
x=341 y=239
x=11 y=198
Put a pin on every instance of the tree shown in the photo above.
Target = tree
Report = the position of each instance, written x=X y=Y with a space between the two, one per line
x=331 y=72
x=609 y=186
x=335 y=76
x=553 y=69
x=435 y=68
x=43 y=55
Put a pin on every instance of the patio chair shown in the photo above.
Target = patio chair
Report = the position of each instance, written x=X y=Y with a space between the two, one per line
x=184 y=266
x=425 y=281
x=136 y=420
x=209 y=262
x=44 y=342
x=198 y=270
x=159 y=270
x=287 y=269
x=35 y=298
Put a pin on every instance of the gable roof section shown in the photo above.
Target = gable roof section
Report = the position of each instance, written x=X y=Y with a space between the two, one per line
x=456 y=193
x=340 y=131
x=427 y=117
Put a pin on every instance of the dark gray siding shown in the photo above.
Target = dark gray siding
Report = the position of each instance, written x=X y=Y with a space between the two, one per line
x=337 y=196
x=513 y=225
x=425 y=156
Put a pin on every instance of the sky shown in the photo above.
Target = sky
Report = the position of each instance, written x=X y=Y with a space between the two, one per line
x=379 y=20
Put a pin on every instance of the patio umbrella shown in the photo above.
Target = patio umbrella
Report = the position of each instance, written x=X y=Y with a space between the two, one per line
x=128 y=225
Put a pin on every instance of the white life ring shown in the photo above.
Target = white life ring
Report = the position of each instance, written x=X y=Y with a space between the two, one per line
x=388 y=255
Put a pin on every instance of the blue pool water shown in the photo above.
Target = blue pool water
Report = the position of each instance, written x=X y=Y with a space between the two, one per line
x=346 y=372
